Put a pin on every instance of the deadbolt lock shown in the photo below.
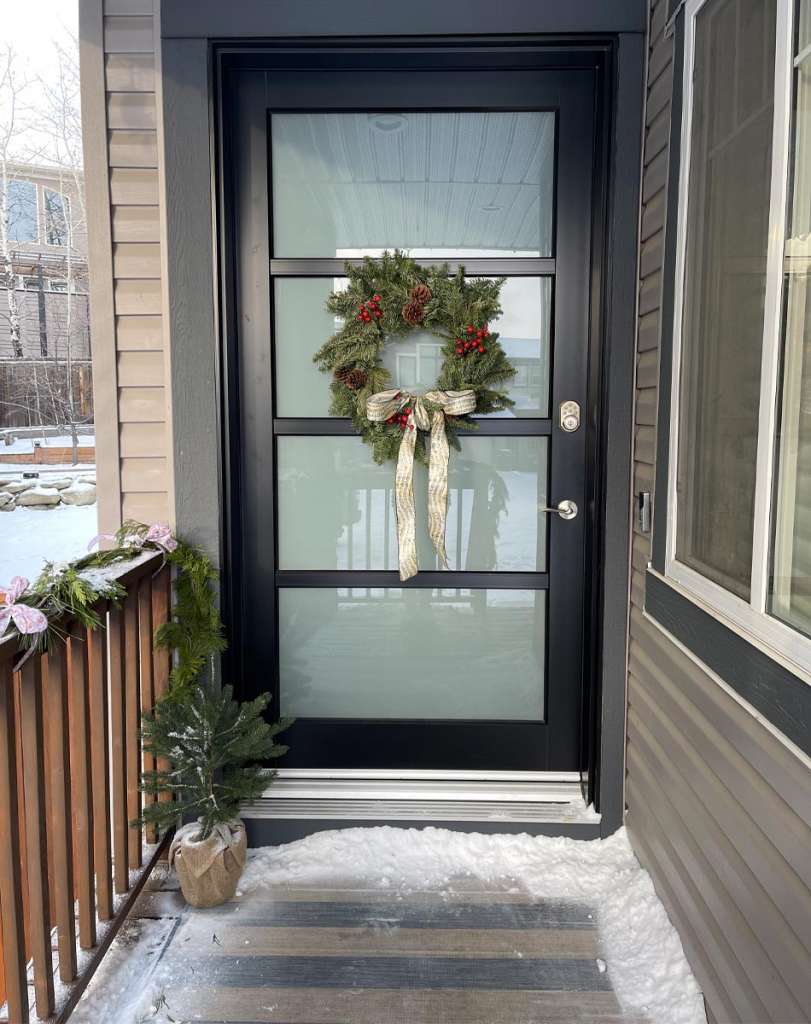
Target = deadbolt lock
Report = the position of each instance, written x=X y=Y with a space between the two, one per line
x=569 y=416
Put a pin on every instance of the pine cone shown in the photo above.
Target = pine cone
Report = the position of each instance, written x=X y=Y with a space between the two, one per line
x=413 y=312
x=342 y=373
x=421 y=293
x=355 y=379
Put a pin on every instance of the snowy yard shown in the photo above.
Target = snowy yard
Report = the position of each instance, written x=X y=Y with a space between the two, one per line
x=30 y=536
x=159 y=970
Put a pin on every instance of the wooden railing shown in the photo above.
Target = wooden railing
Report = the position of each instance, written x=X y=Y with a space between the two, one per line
x=71 y=864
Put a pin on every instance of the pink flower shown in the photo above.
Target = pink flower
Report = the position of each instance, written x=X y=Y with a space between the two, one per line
x=160 y=535
x=24 y=617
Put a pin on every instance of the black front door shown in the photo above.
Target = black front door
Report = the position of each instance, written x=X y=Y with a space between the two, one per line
x=475 y=157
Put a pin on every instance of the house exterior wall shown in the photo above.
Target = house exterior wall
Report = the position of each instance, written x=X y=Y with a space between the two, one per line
x=120 y=116
x=718 y=801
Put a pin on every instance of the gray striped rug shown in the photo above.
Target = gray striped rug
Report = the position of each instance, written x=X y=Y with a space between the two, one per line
x=348 y=956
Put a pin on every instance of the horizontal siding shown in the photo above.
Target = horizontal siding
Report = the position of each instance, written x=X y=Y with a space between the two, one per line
x=718 y=805
x=134 y=186
x=141 y=369
x=136 y=223
x=140 y=440
x=133 y=148
x=136 y=260
x=129 y=34
x=131 y=72
x=130 y=142
x=138 y=333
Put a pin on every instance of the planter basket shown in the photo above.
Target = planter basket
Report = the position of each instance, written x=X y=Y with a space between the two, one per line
x=209 y=870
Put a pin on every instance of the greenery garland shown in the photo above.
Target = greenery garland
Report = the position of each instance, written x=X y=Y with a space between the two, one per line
x=386 y=299
x=72 y=590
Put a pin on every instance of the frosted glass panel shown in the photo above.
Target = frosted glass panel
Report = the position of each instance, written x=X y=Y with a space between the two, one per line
x=303 y=325
x=438 y=654
x=434 y=184
x=336 y=506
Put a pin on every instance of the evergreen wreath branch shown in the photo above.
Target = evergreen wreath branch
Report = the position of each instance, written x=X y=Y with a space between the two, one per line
x=386 y=299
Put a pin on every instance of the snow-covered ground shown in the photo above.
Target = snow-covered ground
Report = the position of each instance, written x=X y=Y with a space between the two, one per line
x=24 y=445
x=30 y=536
x=639 y=948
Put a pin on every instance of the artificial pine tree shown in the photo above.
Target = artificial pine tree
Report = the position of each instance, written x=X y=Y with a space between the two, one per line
x=216 y=749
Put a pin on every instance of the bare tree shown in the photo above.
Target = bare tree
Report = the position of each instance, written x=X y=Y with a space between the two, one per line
x=61 y=119
x=13 y=86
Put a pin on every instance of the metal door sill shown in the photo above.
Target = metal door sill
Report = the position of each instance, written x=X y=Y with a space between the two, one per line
x=531 y=797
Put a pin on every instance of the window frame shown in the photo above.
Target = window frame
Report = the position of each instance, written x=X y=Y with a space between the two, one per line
x=748 y=618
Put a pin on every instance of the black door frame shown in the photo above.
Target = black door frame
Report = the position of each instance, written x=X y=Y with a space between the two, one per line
x=193 y=57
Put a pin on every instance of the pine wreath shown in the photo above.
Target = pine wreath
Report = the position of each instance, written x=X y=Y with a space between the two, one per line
x=386 y=299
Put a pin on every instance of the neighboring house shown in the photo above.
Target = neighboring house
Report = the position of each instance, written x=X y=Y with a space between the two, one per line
x=649 y=165
x=44 y=305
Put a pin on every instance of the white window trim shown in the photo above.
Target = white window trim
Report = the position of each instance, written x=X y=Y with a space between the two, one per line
x=748 y=618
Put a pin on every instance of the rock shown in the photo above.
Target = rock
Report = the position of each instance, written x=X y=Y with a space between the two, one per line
x=88 y=478
x=18 y=486
x=79 y=493
x=59 y=482
x=46 y=496
x=7 y=502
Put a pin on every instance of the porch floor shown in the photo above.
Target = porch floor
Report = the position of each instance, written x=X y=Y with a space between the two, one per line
x=324 y=956
x=311 y=952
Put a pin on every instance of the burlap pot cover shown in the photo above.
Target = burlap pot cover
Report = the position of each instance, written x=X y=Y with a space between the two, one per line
x=209 y=870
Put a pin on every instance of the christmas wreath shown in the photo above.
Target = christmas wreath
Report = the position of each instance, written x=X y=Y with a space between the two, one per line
x=385 y=300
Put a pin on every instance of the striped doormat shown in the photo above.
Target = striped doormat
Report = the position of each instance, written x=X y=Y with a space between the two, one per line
x=349 y=956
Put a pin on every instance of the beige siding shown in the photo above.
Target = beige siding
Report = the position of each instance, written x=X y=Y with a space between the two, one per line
x=719 y=805
x=137 y=472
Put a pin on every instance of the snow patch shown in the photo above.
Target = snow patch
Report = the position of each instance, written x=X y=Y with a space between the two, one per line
x=640 y=948
x=30 y=536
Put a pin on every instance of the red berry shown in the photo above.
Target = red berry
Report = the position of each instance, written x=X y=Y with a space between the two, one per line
x=470 y=328
x=377 y=298
x=482 y=349
x=410 y=426
x=459 y=351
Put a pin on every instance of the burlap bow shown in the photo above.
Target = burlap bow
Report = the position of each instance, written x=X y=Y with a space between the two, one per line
x=385 y=404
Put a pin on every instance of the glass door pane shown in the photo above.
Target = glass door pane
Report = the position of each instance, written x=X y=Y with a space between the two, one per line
x=451 y=184
x=336 y=506
x=407 y=653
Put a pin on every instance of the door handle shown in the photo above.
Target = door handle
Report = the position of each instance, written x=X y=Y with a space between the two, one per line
x=566 y=509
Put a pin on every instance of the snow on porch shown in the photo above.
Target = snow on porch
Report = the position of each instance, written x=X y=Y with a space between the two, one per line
x=383 y=925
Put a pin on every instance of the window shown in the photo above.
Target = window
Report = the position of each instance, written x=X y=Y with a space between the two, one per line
x=739 y=495
x=21 y=211
x=57 y=214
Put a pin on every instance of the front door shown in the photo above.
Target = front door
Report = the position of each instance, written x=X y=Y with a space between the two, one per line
x=474 y=158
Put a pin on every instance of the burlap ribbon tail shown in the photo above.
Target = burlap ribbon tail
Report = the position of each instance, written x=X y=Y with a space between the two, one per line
x=389 y=403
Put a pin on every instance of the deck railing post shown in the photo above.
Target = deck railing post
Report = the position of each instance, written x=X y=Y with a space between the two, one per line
x=61 y=832
x=81 y=774
x=118 y=751
x=100 y=763
x=11 y=900
x=36 y=833
x=133 y=726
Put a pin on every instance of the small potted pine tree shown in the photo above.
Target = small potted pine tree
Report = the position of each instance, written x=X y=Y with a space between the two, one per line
x=217 y=750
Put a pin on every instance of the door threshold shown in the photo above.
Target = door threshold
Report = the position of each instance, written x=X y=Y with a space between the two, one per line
x=385 y=795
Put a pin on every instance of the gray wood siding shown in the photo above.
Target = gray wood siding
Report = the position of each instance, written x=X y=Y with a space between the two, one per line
x=718 y=803
x=135 y=472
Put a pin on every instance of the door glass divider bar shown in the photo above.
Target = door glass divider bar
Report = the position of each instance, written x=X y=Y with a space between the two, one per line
x=519 y=266
x=331 y=425
x=427 y=580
